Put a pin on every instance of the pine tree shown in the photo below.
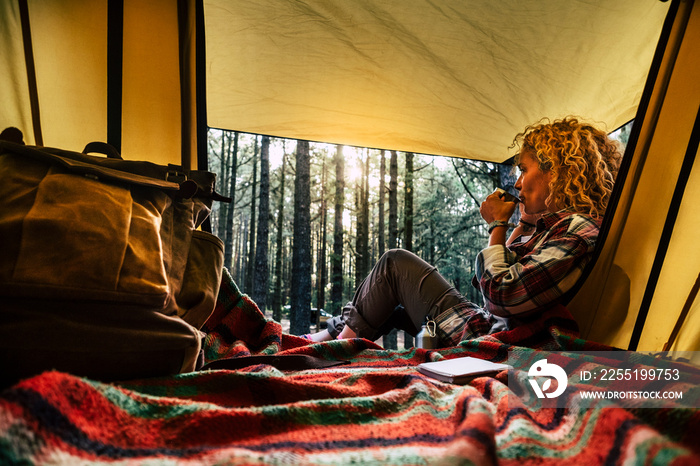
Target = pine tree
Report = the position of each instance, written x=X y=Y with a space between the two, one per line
x=337 y=255
x=321 y=268
x=228 y=224
x=390 y=339
x=301 y=251
x=261 y=271
x=408 y=222
x=381 y=235
x=279 y=270
x=250 y=264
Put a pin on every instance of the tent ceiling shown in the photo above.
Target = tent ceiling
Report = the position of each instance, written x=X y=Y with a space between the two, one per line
x=448 y=77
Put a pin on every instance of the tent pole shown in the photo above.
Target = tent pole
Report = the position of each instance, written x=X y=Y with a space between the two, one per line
x=115 y=59
x=201 y=87
x=684 y=313
x=31 y=72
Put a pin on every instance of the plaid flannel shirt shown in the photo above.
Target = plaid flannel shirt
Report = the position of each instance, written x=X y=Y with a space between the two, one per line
x=531 y=275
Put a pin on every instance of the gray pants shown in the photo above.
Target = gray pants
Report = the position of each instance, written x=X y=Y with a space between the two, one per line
x=398 y=293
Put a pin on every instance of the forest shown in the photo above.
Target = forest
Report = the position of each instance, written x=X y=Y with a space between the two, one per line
x=308 y=220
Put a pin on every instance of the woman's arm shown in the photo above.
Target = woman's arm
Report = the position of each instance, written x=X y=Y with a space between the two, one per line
x=516 y=284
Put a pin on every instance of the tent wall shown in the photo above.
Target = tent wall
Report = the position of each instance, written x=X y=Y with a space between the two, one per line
x=16 y=104
x=649 y=262
x=148 y=66
x=449 y=77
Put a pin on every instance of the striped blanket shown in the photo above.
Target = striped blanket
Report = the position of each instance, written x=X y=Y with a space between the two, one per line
x=376 y=409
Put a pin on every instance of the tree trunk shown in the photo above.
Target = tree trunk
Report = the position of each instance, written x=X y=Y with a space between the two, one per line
x=301 y=252
x=507 y=180
x=250 y=265
x=359 y=266
x=241 y=244
x=224 y=186
x=408 y=203
x=321 y=268
x=393 y=201
x=365 y=216
x=390 y=340
x=262 y=275
x=381 y=236
x=279 y=270
x=362 y=237
x=337 y=256
x=408 y=222
x=228 y=227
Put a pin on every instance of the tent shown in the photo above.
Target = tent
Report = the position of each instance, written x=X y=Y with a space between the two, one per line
x=450 y=77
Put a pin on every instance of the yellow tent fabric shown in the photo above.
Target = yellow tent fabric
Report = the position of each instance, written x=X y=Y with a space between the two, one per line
x=15 y=108
x=675 y=137
x=70 y=52
x=627 y=301
x=452 y=77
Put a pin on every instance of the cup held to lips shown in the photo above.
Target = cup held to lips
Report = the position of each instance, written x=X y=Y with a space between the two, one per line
x=506 y=196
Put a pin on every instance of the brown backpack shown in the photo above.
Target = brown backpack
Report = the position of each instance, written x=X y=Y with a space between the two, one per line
x=103 y=272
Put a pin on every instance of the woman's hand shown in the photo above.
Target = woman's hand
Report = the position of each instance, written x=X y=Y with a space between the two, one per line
x=495 y=208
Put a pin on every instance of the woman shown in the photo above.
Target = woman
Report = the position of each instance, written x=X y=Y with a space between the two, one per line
x=567 y=170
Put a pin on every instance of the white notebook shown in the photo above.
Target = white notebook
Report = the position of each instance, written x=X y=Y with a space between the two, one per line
x=460 y=370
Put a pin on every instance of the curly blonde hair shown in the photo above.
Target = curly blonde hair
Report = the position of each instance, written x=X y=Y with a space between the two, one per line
x=583 y=160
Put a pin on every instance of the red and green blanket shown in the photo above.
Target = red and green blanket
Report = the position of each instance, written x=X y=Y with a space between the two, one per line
x=376 y=409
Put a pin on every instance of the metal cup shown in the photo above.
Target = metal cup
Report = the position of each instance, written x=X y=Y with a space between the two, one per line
x=506 y=196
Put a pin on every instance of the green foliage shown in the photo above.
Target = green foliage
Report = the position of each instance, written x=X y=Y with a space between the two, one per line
x=447 y=228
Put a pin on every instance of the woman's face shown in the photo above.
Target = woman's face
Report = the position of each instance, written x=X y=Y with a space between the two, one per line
x=533 y=183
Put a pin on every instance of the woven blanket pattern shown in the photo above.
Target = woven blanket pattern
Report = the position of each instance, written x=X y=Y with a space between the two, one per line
x=378 y=409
